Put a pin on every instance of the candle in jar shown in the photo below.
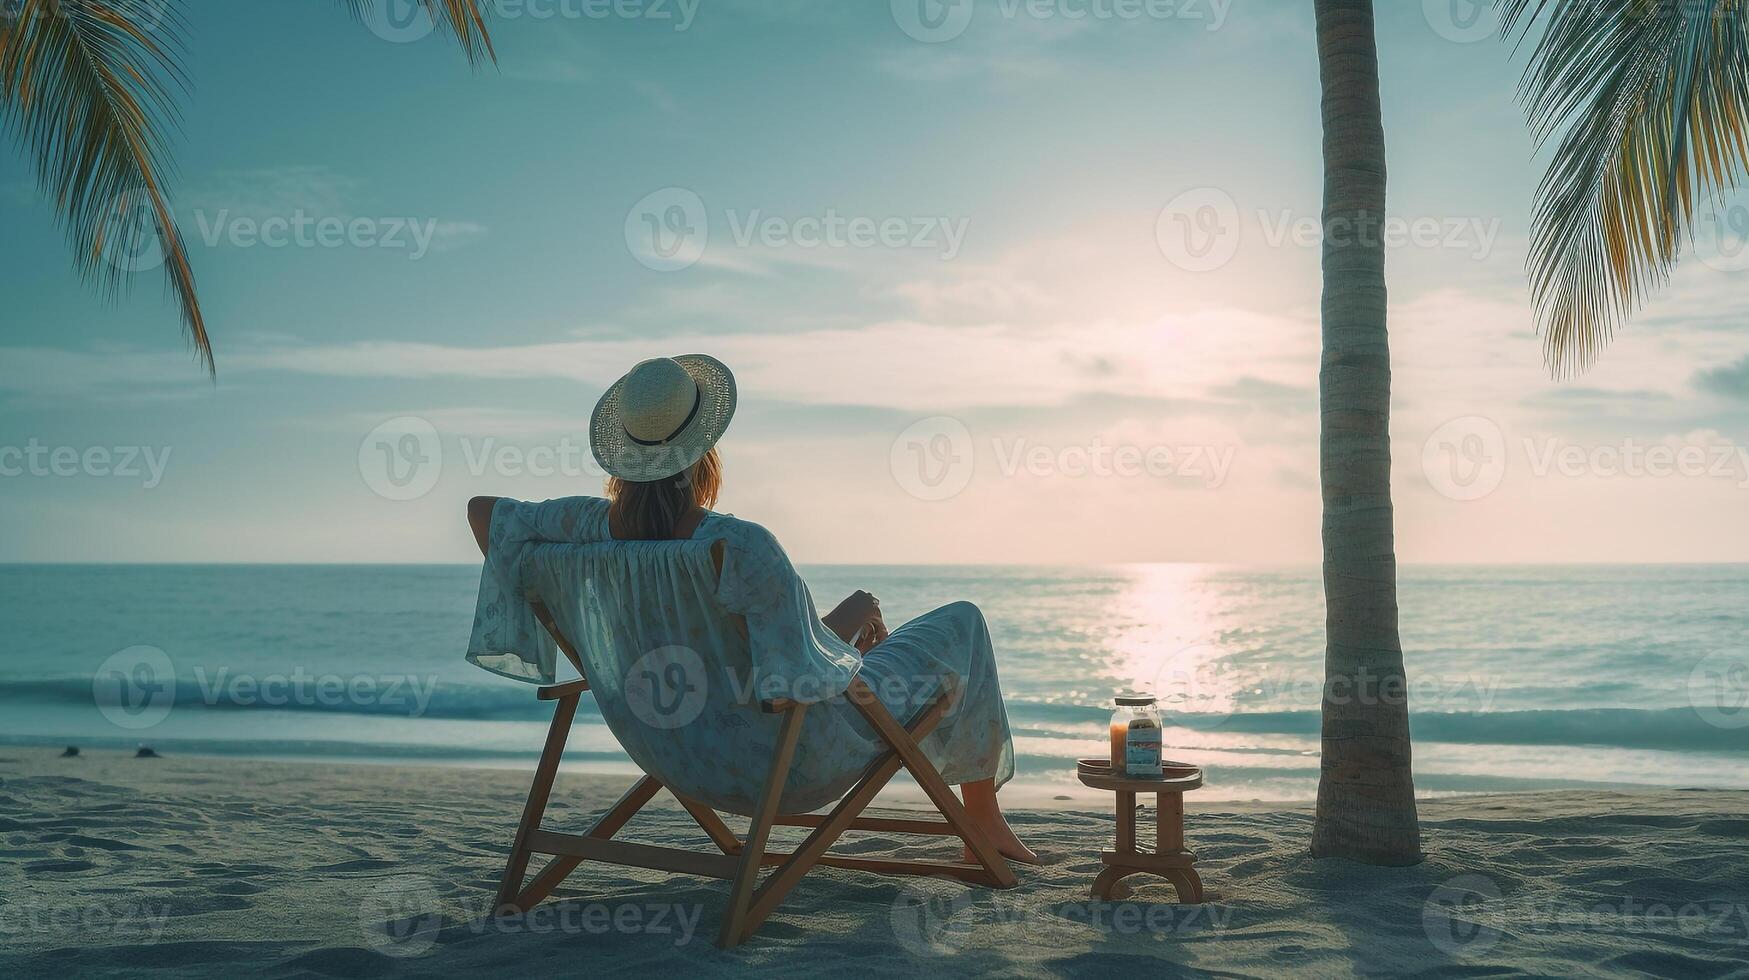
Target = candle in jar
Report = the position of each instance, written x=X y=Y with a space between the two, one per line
x=1135 y=736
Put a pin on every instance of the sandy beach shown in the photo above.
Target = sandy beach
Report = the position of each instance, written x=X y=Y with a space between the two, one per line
x=113 y=865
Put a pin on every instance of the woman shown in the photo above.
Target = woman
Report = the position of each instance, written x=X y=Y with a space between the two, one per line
x=654 y=432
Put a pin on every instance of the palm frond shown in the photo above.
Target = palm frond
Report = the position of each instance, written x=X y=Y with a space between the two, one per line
x=1649 y=101
x=462 y=18
x=89 y=88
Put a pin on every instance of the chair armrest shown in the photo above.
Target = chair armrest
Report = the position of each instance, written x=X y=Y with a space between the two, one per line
x=553 y=692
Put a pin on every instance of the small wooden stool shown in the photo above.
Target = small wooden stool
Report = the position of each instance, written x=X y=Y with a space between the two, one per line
x=1169 y=858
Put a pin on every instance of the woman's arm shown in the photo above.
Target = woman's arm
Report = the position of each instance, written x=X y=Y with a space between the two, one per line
x=859 y=610
x=480 y=519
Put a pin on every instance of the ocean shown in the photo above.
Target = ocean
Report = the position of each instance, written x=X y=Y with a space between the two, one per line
x=1521 y=677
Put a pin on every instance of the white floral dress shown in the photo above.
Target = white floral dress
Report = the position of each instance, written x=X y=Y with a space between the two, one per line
x=679 y=657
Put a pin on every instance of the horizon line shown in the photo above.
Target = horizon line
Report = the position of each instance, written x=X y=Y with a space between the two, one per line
x=1726 y=563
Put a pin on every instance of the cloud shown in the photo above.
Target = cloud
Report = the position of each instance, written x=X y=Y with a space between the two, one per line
x=552 y=70
x=1583 y=394
x=659 y=96
x=899 y=364
x=896 y=364
x=105 y=375
x=558 y=57
x=475 y=420
x=1017 y=41
x=721 y=252
x=448 y=235
x=1002 y=42
x=1731 y=381
x=268 y=192
x=938 y=64
x=976 y=296
x=229 y=203
x=1271 y=395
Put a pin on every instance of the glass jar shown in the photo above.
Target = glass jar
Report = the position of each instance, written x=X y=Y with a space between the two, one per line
x=1135 y=736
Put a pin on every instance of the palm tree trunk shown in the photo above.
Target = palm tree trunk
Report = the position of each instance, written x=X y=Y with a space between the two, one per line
x=1366 y=795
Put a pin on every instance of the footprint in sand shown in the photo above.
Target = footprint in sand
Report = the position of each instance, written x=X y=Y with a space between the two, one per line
x=57 y=867
x=103 y=843
x=362 y=864
x=233 y=870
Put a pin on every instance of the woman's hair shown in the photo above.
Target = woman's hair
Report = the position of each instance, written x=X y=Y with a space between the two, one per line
x=648 y=511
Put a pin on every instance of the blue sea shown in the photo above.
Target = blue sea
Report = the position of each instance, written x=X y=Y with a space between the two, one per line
x=1521 y=677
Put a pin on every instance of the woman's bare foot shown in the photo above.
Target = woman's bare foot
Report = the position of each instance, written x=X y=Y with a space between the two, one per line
x=986 y=814
x=1006 y=843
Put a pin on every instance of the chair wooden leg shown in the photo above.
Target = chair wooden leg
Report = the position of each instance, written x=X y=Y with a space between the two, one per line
x=544 y=772
x=629 y=803
x=804 y=857
x=759 y=831
x=549 y=878
x=904 y=743
x=712 y=825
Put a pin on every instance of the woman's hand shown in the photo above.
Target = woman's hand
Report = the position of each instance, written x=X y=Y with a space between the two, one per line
x=480 y=520
x=858 y=610
x=875 y=632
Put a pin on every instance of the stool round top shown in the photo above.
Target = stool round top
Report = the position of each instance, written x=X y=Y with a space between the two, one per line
x=1175 y=777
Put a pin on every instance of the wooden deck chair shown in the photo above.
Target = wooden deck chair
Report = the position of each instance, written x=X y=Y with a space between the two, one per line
x=736 y=858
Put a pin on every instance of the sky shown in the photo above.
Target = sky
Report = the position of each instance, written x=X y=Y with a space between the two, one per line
x=1025 y=281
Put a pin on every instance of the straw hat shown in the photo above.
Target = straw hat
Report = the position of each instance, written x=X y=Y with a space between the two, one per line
x=662 y=417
